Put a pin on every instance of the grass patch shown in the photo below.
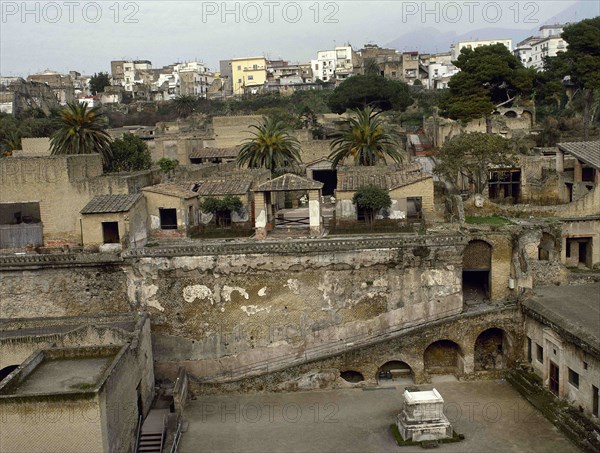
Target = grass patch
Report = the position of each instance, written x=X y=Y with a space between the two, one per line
x=406 y=443
x=488 y=220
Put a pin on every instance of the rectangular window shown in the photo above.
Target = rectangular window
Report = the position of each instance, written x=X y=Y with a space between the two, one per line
x=110 y=232
x=529 y=351
x=540 y=353
x=239 y=68
x=250 y=77
x=573 y=378
x=168 y=219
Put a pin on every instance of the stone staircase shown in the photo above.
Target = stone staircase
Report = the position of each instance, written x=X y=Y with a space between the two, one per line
x=152 y=434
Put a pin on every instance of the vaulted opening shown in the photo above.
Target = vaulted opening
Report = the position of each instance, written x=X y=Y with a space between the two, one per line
x=443 y=357
x=352 y=376
x=397 y=371
x=491 y=349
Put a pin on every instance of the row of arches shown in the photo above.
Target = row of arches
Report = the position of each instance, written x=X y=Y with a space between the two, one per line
x=445 y=357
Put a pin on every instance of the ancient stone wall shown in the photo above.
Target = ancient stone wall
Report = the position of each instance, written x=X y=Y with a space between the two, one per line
x=229 y=311
x=69 y=291
x=408 y=346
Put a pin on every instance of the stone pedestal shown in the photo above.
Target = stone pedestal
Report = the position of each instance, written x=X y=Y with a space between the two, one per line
x=422 y=417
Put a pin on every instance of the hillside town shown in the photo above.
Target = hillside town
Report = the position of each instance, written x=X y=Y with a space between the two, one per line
x=374 y=250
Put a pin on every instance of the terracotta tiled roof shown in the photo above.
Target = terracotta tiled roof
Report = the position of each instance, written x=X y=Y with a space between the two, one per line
x=110 y=203
x=180 y=190
x=289 y=182
x=208 y=153
x=588 y=152
x=222 y=187
x=385 y=179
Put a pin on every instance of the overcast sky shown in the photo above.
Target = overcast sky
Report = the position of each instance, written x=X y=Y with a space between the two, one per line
x=85 y=36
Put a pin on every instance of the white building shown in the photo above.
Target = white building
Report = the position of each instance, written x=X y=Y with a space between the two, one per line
x=456 y=48
x=533 y=50
x=195 y=78
x=131 y=72
x=334 y=65
x=323 y=68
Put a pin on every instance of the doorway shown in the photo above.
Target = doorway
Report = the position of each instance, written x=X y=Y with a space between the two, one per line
x=110 y=232
x=329 y=180
x=168 y=219
x=554 y=378
x=595 y=410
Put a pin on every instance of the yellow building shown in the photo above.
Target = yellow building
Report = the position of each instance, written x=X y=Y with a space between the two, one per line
x=248 y=72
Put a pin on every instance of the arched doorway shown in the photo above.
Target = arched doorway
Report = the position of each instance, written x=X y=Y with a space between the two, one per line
x=7 y=370
x=396 y=371
x=352 y=376
x=477 y=271
x=443 y=357
x=491 y=350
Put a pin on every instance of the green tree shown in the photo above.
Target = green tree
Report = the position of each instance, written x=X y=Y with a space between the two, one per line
x=471 y=156
x=271 y=146
x=185 y=105
x=98 y=82
x=578 y=66
x=129 y=153
x=489 y=77
x=371 y=199
x=81 y=132
x=167 y=165
x=10 y=143
x=222 y=208
x=365 y=139
x=361 y=91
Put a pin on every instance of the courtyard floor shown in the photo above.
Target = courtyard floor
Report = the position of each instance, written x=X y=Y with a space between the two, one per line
x=491 y=414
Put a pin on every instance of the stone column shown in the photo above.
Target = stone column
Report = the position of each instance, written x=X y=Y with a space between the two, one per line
x=260 y=216
x=560 y=161
x=314 y=212
x=578 y=175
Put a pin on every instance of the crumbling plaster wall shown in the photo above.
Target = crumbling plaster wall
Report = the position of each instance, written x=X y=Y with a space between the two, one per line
x=71 y=291
x=218 y=313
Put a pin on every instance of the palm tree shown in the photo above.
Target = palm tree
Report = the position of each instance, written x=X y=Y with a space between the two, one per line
x=185 y=105
x=81 y=132
x=271 y=146
x=12 y=142
x=365 y=139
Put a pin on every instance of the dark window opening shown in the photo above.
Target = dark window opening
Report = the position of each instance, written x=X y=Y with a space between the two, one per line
x=414 y=211
x=505 y=185
x=529 y=350
x=554 y=378
x=476 y=285
x=582 y=252
x=329 y=180
x=168 y=219
x=595 y=409
x=588 y=174
x=540 y=354
x=352 y=376
x=223 y=218
x=110 y=232
x=573 y=378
